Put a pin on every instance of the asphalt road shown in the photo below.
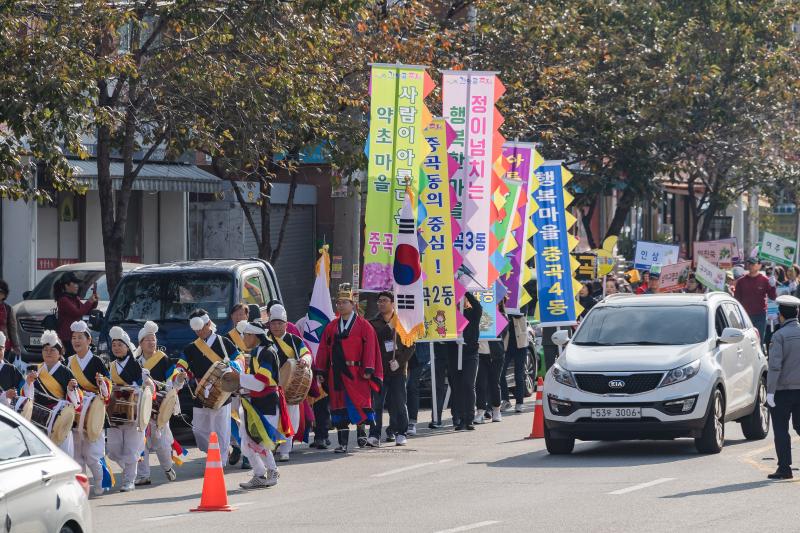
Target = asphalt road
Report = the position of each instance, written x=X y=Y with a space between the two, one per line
x=491 y=479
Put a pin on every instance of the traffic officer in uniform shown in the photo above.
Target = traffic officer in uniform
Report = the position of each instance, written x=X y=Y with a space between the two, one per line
x=783 y=382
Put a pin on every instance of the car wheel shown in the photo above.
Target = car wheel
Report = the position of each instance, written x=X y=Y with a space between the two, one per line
x=557 y=446
x=530 y=374
x=713 y=437
x=756 y=425
x=66 y=528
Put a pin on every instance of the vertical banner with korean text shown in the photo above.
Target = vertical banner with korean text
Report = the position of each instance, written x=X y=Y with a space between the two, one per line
x=557 y=287
x=435 y=231
x=521 y=161
x=396 y=149
x=468 y=105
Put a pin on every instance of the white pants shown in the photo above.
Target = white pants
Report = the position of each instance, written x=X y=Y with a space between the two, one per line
x=160 y=442
x=205 y=420
x=294 y=416
x=125 y=445
x=260 y=458
x=89 y=454
x=68 y=446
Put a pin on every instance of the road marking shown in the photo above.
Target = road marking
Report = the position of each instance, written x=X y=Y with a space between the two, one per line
x=641 y=486
x=469 y=527
x=411 y=467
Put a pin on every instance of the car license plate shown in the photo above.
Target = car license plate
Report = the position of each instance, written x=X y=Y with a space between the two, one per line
x=616 y=412
x=36 y=341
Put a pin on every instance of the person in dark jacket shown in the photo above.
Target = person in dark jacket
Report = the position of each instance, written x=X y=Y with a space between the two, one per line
x=395 y=358
x=70 y=308
x=492 y=355
x=8 y=325
x=462 y=380
x=586 y=299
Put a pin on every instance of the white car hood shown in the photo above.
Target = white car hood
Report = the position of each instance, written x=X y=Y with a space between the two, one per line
x=629 y=358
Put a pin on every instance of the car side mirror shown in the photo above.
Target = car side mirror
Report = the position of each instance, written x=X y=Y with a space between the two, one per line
x=253 y=312
x=26 y=294
x=96 y=319
x=560 y=338
x=731 y=336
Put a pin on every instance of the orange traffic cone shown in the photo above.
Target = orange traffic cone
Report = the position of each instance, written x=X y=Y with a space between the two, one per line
x=215 y=496
x=537 y=431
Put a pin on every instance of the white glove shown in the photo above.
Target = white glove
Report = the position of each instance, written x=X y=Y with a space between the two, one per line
x=772 y=281
x=771 y=400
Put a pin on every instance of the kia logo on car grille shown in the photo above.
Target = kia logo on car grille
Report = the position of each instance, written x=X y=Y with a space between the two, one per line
x=616 y=384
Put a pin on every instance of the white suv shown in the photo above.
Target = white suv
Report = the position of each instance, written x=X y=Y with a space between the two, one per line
x=661 y=366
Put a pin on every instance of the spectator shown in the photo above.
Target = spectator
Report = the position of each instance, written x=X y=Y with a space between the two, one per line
x=644 y=285
x=752 y=291
x=586 y=299
x=792 y=278
x=612 y=286
x=651 y=287
x=70 y=308
x=8 y=325
x=693 y=286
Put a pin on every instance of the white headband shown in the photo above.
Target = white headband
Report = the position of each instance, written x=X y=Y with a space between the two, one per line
x=2 y=340
x=149 y=328
x=245 y=327
x=197 y=323
x=50 y=338
x=79 y=326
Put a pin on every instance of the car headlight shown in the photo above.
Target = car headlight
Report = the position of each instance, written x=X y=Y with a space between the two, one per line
x=563 y=376
x=682 y=373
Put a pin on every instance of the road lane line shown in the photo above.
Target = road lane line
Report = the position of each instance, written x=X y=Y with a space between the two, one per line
x=411 y=467
x=641 y=486
x=178 y=515
x=469 y=527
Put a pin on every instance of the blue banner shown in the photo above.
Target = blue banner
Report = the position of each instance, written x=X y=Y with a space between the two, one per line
x=552 y=243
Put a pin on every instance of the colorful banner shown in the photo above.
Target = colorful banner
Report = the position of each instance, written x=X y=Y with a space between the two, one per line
x=718 y=253
x=521 y=160
x=606 y=260
x=777 y=249
x=492 y=322
x=407 y=274
x=468 y=100
x=396 y=149
x=587 y=266
x=556 y=287
x=709 y=275
x=435 y=232
x=653 y=253
x=674 y=277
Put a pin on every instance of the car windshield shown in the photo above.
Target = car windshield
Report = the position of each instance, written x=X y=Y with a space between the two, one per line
x=643 y=325
x=171 y=296
x=44 y=289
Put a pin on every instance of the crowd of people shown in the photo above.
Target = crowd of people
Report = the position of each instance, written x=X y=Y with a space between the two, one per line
x=360 y=370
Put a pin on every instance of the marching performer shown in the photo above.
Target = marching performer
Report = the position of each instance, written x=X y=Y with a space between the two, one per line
x=197 y=358
x=349 y=360
x=93 y=378
x=52 y=380
x=264 y=415
x=238 y=313
x=125 y=441
x=288 y=347
x=157 y=366
x=11 y=380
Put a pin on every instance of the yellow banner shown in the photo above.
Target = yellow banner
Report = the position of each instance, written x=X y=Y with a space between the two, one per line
x=436 y=229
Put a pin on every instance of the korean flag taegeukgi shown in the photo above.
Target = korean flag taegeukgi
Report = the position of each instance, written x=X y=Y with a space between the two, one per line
x=407 y=274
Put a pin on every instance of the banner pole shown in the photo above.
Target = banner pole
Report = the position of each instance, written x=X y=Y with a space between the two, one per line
x=437 y=419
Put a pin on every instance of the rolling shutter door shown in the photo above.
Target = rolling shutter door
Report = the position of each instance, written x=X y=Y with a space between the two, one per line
x=295 y=268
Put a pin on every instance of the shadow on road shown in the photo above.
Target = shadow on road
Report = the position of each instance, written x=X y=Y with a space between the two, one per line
x=724 y=489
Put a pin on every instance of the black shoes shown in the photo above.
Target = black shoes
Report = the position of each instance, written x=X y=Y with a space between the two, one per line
x=235 y=455
x=435 y=425
x=469 y=427
x=781 y=474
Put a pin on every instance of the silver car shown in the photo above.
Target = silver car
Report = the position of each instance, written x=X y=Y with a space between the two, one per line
x=39 y=302
x=41 y=487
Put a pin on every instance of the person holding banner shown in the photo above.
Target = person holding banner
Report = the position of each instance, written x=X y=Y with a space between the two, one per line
x=752 y=291
x=462 y=377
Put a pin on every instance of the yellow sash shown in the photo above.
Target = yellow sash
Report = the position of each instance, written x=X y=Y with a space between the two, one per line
x=50 y=383
x=115 y=375
x=287 y=350
x=237 y=339
x=153 y=361
x=83 y=381
x=206 y=350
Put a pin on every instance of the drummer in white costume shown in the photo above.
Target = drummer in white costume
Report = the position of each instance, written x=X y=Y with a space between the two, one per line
x=288 y=347
x=198 y=357
x=93 y=378
x=157 y=366
x=125 y=440
x=52 y=380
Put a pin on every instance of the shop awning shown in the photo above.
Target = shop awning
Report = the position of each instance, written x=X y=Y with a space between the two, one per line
x=164 y=177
